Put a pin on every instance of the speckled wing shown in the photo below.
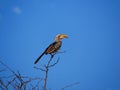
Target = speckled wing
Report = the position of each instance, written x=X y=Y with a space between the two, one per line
x=54 y=47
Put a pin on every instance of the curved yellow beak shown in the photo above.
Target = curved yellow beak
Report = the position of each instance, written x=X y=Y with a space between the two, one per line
x=63 y=36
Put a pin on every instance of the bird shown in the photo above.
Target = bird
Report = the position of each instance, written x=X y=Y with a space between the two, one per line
x=53 y=47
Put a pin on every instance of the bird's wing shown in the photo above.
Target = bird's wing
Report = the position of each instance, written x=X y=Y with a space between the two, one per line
x=54 y=47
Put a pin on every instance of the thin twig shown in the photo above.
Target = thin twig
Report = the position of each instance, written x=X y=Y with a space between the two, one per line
x=54 y=63
x=18 y=82
x=39 y=68
x=46 y=67
x=70 y=85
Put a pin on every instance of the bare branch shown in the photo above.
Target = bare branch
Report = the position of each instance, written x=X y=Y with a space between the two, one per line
x=11 y=81
x=70 y=85
x=31 y=79
x=2 y=84
x=8 y=68
x=35 y=87
x=52 y=65
x=47 y=69
x=17 y=81
x=39 y=68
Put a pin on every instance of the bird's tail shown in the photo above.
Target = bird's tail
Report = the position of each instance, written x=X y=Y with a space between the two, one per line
x=39 y=57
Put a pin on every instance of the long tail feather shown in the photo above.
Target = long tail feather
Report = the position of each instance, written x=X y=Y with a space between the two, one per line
x=39 y=57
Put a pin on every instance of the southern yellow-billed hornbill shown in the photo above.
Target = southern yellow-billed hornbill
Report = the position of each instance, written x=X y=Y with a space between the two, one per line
x=54 y=47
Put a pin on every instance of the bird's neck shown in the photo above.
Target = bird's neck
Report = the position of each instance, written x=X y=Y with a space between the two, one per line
x=57 y=40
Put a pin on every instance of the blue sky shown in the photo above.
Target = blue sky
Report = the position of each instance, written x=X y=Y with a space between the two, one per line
x=92 y=54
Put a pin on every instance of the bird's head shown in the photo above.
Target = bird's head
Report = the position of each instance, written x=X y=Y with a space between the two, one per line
x=60 y=36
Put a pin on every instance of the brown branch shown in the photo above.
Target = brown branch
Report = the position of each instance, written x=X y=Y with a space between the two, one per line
x=47 y=70
x=8 y=68
x=54 y=63
x=35 y=87
x=31 y=79
x=2 y=84
x=17 y=81
x=11 y=81
x=39 y=68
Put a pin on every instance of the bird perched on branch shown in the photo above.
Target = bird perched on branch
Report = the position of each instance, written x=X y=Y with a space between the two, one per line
x=54 y=47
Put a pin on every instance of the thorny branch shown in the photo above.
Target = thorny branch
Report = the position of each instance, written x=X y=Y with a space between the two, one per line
x=17 y=81
x=45 y=68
